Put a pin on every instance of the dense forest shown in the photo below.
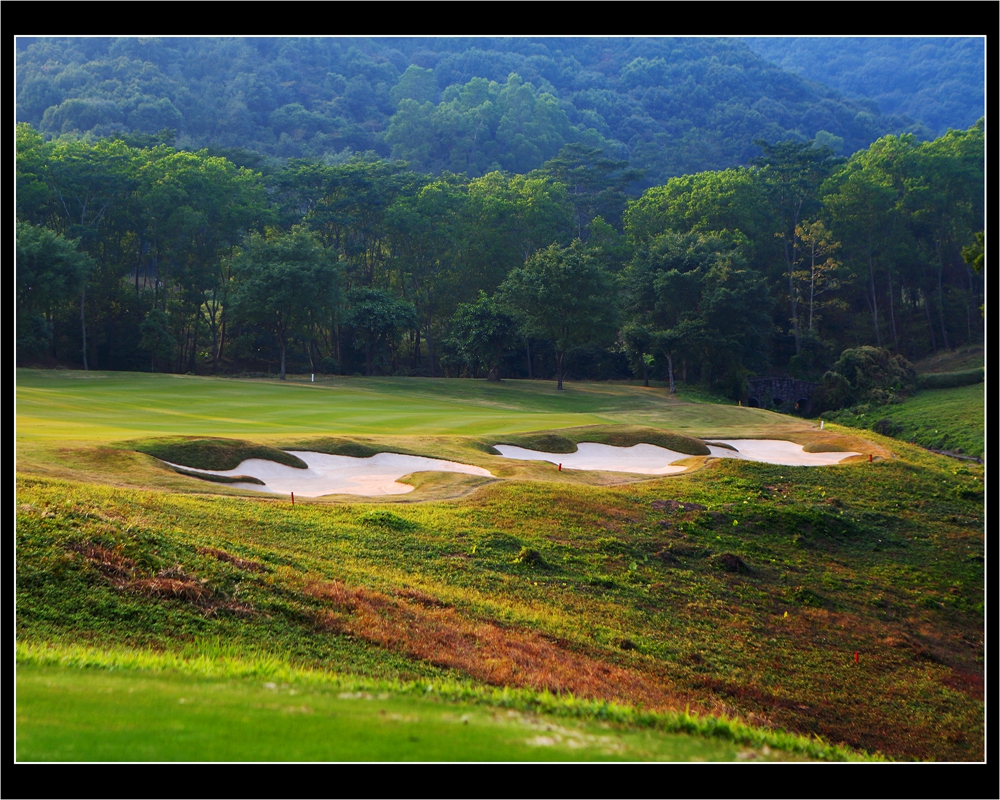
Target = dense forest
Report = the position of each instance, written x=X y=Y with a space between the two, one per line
x=668 y=106
x=142 y=256
x=938 y=80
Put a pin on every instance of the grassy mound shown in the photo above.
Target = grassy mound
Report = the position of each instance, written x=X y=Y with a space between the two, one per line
x=337 y=446
x=220 y=478
x=565 y=440
x=210 y=453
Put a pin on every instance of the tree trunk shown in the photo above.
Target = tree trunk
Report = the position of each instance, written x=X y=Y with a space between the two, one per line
x=284 y=346
x=795 y=312
x=645 y=373
x=559 y=370
x=493 y=376
x=192 y=361
x=83 y=324
x=430 y=351
x=873 y=303
x=222 y=342
x=670 y=373
x=892 y=312
x=930 y=322
x=944 y=331
x=527 y=347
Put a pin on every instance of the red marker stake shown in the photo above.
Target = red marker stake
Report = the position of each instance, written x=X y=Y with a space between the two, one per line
x=855 y=656
x=293 y=498
x=870 y=457
x=560 y=467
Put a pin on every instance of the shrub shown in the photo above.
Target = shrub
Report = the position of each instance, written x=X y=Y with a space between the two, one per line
x=867 y=375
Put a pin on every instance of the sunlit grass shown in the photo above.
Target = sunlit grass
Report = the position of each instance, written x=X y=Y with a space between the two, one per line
x=85 y=704
x=736 y=590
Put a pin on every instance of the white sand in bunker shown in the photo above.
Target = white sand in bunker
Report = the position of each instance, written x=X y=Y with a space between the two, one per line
x=776 y=451
x=326 y=474
x=644 y=459
x=650 y=459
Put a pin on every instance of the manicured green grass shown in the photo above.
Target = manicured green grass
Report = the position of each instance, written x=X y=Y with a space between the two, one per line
x=72 y=714
x=749 y=600
x=98 y=407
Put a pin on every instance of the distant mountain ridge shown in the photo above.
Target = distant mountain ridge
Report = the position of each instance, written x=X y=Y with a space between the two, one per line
x=669 y=106
x=937 y=80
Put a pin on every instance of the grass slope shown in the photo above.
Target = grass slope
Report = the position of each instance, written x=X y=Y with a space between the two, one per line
x=952 y=420
x=735 y=590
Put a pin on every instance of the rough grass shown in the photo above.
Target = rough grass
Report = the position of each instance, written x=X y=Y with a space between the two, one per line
x=623 y=603
x=962 y=359
x=949 y=380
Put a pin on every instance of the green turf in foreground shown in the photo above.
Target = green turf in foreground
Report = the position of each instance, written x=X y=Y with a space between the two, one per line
x=67 y=714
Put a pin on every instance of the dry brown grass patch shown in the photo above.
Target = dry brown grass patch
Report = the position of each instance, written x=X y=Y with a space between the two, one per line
x=172 y=583
x=236 y=561
x=495 y=654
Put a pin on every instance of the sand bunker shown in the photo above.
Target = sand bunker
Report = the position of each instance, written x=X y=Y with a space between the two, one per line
x=776 y=451
x=649 y=459
x=645 y=459
x=328 y=474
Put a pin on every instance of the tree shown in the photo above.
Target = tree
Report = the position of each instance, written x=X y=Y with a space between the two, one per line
x=507 y=218
x=667 y=298
x=864 y=209
x=595 y=185
x=816 y=267
x=50 y=272
x=284 y=283
x=792 y=173
x=377 y=316
x=733 y=326
x=196 y=209
x=156 y=336
x=481 y=332
x=427 y=231
x=563 y=295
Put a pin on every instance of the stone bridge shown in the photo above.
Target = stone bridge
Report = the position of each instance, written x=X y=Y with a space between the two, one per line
x=781 y=394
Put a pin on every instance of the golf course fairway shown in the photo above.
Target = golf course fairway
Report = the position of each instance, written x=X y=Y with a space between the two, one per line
x=734 y=611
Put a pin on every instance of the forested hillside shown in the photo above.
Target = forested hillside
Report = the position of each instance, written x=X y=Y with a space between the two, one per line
x=153 y=258
x=937 y=80
x=668 y=106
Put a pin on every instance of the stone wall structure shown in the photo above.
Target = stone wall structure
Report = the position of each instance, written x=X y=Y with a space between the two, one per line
x=781 y=394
